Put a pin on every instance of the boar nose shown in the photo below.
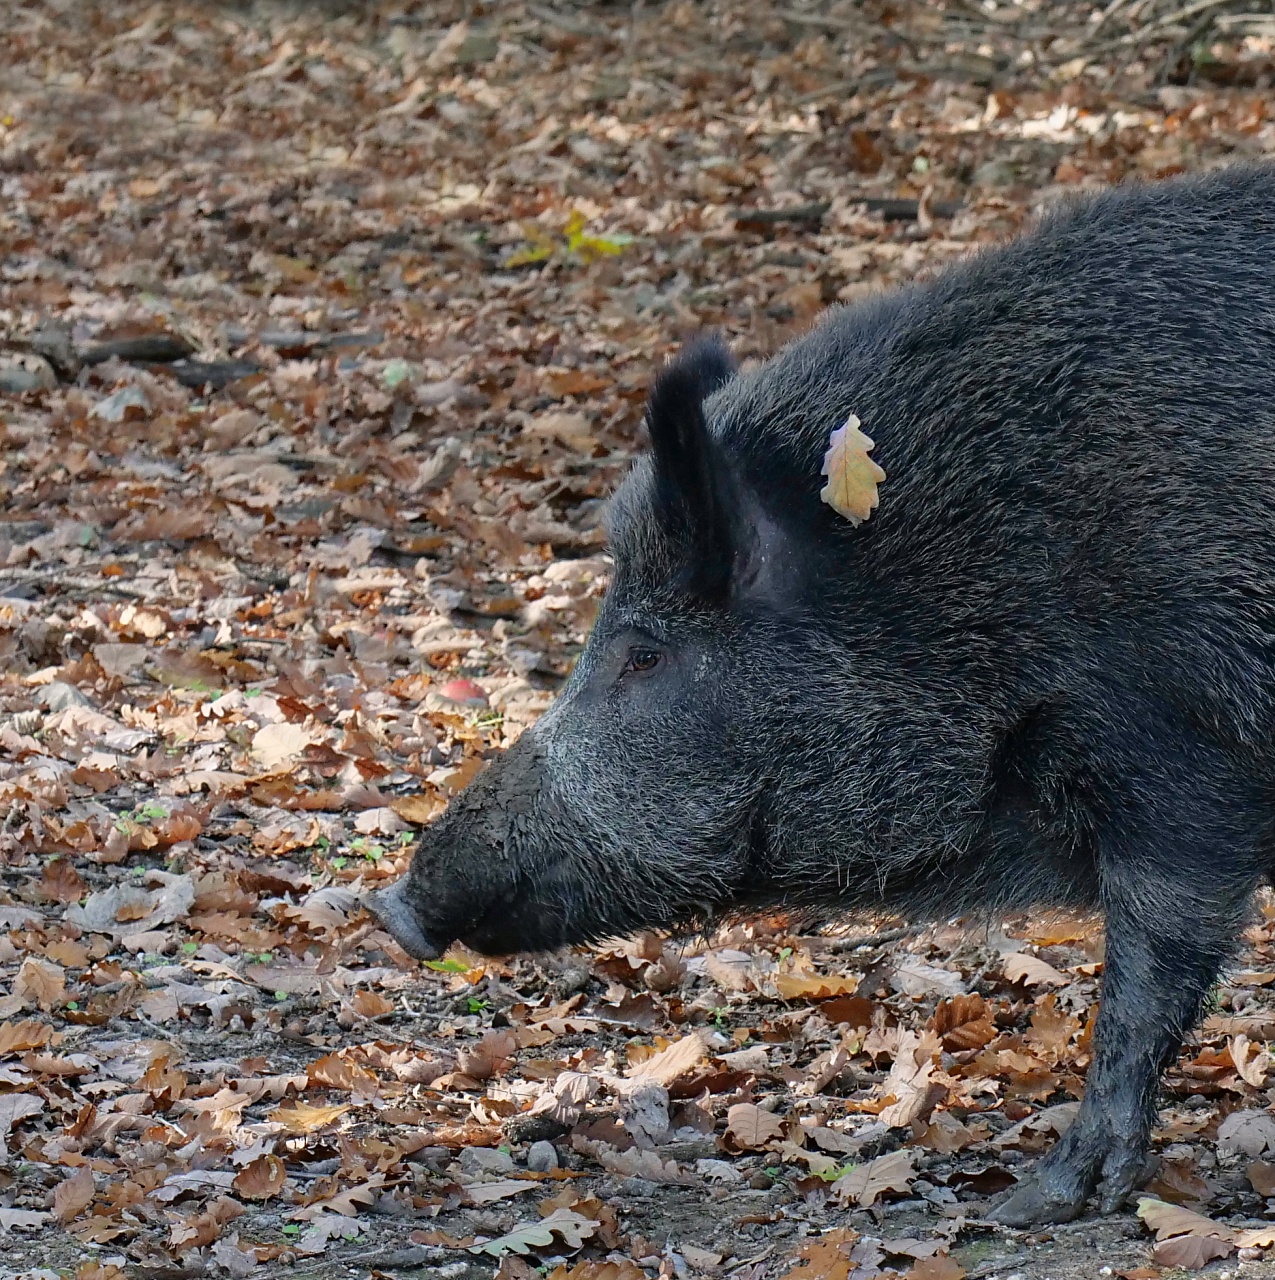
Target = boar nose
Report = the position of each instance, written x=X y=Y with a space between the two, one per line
x=391 y=907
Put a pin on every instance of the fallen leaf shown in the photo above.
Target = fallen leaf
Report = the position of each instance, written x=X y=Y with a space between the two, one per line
x=1191 y=1251
x=865 y=1182
x=672 y=1062
x=277 y=745
x=814 y=986
x=73 y=1194
x=261 y=1178
x=1172 y=1220
x=15 y=1107
x=853 y=477
x=301 y=1117
x=827 y=1258
x=1021 y=966
x=749 y=1128
x=1247 y=1133
x=571 y=1228
x=909 y=1079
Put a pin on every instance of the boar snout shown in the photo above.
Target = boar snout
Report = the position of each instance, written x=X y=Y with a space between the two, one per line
x=391 y=907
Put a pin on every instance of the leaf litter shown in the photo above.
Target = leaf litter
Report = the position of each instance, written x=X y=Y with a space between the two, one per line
x=324 y=337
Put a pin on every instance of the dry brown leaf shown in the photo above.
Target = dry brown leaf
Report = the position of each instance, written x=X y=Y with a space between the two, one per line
x=909 y=1079
x=1173 y=1220
x=1261 y=1174
x=1021 y=966
x=301 y=1117
x=261 y=1178
x=74 y=1194
x=863 y=1184
x=672 y=1062
x=749 y=1128
x=813 y=986
x=940 y=1267
x=15 y=1107
x=41 y=981
x=827 y=1258
x=1252 y=1066
x=963 y=1022
x=335 y=1071
x=1051 y=1029
x=853 y=477
x=29 y=1034
x=1191 y=1251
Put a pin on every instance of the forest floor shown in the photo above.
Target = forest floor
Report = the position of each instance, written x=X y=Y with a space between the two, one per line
x=324 y=335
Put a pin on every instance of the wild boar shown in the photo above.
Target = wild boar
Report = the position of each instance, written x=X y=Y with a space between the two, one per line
x=1041 y=672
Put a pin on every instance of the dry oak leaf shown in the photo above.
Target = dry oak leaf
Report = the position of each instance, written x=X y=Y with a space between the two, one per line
x=671 y=1062
x=41 y=981
x=73 y=1195
x=15 y=1107
x=1173 y=1220
x=1019 y=966
x=572 y=1228
x=865 y=1182
x=644 y=1164
x=909 y=1078
x=963 y=1022
x=261 y=1178
x=303 y=1118
x=941 y=1267
x=1252 y=1069
x=622 y=1270
x=827 y=1258
x=749 y=1128
x=21 y=1218
x=278 y=745
x=15 y=1037
x=814 y=986
x=1190 y=1252
x=336 y=1072
x=853 y=477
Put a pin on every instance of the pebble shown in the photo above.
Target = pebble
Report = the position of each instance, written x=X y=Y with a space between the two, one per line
x=542 y=1158
x=485 y=1160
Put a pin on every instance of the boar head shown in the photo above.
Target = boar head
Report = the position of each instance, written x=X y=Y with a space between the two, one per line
x=645 y=796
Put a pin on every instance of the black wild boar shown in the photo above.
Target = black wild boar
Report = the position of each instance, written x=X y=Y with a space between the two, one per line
x=1043 y=671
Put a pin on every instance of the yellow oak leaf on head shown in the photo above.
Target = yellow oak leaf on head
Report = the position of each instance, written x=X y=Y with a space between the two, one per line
x=853 y=477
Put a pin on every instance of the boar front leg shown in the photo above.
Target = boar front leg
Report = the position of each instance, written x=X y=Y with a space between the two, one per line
x=1174 y=904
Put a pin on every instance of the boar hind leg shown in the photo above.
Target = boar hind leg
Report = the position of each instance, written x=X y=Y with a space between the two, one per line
x=1174 y=903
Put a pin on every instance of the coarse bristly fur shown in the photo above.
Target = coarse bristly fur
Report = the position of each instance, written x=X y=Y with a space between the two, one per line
x=1042 y=672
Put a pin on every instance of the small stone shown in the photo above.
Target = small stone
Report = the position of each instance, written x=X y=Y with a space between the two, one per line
x=761 y=1182
x=485 y=1160
x=542 y=1158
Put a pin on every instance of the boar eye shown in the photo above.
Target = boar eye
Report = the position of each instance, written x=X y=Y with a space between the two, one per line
x=642 y=660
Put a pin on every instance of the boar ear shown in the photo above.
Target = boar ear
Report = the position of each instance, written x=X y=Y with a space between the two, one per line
x=694 y=494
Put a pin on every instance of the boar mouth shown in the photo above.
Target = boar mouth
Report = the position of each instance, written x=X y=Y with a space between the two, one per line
x=391 y=908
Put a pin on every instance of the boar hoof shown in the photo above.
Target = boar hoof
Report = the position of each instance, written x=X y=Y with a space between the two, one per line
x=1032 y=1204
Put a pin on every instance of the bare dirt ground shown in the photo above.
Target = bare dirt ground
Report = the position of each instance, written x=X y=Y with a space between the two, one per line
x=325 y=332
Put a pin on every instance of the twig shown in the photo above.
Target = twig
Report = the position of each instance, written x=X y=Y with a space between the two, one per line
x=1109 y=12
x=562 y=21
x=855 y=941
x=1172 y=19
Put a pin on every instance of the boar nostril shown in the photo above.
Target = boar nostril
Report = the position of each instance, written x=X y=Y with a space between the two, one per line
x=391 y=908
